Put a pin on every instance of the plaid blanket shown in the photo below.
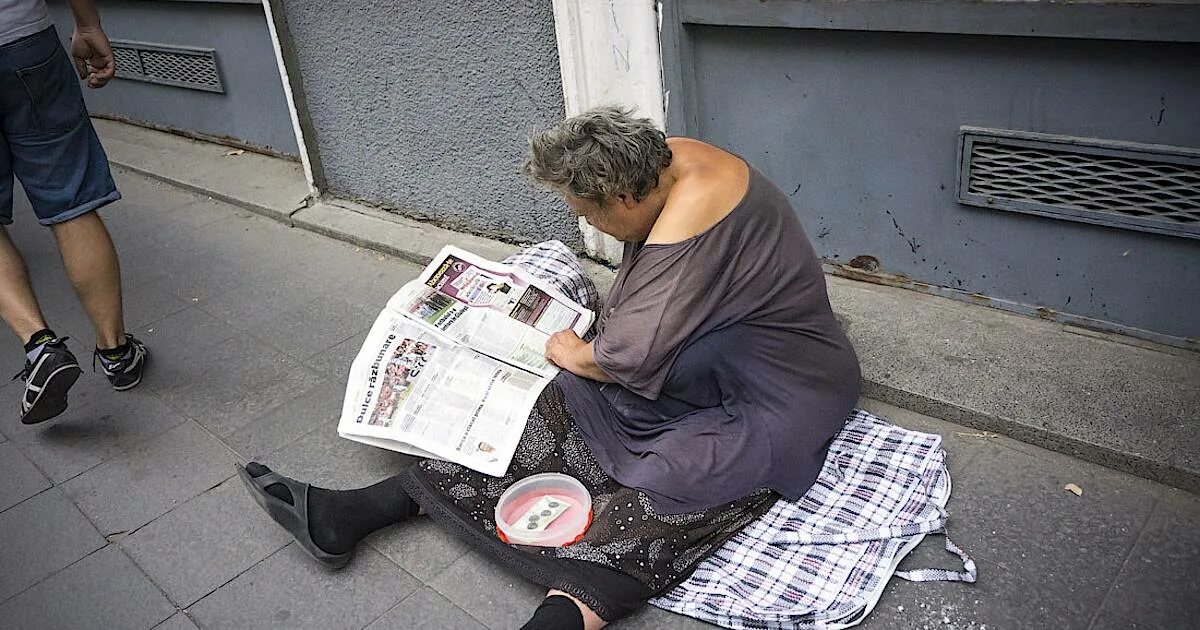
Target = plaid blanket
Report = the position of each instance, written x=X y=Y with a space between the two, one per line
x=553 y=262
x=823 y=561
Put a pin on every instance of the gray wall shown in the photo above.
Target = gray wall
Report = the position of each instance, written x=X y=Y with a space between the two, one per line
x=426 y=107
x=252 y=109
x=860 y=129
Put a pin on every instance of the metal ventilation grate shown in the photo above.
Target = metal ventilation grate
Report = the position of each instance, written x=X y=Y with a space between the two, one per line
x=1153 y=188
x=180 y=66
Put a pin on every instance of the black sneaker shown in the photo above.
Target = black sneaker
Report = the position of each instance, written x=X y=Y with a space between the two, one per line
x=126 y=372
x=46 y=382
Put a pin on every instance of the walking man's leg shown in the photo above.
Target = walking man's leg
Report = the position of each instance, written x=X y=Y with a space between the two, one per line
x=50 y=368
x=91 y=263
x=18 y=306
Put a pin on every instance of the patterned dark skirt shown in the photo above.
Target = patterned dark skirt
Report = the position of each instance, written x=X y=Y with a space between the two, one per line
x=630 y=552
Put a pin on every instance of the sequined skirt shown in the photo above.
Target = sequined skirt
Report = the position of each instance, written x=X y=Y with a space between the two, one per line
x=629 y=551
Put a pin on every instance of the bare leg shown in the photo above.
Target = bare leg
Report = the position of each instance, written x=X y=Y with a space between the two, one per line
x=18 y=306
x=591 y=621
x=91 y=262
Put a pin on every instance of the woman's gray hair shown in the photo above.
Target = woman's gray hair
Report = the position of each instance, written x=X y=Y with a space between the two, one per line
x=599 y=154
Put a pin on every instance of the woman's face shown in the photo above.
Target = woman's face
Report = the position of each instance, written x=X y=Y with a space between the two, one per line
x=619 y=217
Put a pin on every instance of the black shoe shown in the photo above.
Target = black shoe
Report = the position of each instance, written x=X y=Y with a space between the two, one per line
x=46 y=382
x=125 y=373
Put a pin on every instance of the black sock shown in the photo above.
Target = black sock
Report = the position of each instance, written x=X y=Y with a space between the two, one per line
x=339 y=519
x=557 y=612
x=115 y=354
x=39 y=338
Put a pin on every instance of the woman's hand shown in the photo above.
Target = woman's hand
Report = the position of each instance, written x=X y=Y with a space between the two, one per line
x=566 y=350
x=562 y=346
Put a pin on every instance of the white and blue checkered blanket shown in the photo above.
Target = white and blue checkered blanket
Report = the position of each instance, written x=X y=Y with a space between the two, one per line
x=823 y=561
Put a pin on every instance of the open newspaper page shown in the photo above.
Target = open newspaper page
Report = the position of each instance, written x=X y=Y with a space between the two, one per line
x=492 y=308
x=416 y=391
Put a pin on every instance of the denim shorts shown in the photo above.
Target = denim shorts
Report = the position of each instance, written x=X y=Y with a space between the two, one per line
x=46 y=137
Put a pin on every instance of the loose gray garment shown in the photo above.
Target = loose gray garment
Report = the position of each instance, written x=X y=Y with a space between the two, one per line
x=732 y=373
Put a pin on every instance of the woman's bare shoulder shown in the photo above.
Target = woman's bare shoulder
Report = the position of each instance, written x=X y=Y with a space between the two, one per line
x=712 y=182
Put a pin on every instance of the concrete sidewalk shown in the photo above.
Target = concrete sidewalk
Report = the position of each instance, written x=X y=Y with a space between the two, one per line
x=123 y=513
x=1121 y=402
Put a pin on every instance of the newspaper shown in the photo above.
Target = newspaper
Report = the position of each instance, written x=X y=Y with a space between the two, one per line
x=454 y=364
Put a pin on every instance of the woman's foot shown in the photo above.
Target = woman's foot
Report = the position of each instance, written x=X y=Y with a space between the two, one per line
x=560 y=611
x=288 y=503
x=328 y=523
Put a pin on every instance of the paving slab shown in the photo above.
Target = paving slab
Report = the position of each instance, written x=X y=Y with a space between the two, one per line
x=335 y=361
x=32 y=550
x=140 y=221
x=151 y=478
x=428 y=610
x=1012 y=508
x=303 y=326
x=1159 y=586
x=289 y=590
x=651 y=618
x=419 y=546
x=240 y=379
x=1110 y=621
x=317 y=408
x=103 y=590
x=98 y=425
x=21 y=479
x=1002 y=599
x=195 y=548
x=488 y=592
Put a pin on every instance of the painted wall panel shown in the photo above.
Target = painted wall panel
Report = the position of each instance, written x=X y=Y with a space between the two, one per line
x=426 y=108
x=251 y=109
x=861 y=130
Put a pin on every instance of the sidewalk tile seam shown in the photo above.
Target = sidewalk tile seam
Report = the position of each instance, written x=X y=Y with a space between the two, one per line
x=339 y=342
x=77 y=561
x=1158 y=503
x=265 y=340
x=118 y=453
x=290 y=442
x=184 y=608
x=36 y=495
x=423 y=585
x=149 y=579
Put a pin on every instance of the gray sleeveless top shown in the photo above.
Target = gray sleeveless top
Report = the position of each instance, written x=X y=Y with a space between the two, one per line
x=732 y=373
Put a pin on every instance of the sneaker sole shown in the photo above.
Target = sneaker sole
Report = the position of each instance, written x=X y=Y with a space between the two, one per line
x=52 y=400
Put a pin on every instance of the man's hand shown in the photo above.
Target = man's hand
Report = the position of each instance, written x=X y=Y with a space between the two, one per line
x=566 y=350
x=93 y=56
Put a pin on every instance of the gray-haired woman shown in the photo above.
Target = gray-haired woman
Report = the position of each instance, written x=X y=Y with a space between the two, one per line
x=714 y=384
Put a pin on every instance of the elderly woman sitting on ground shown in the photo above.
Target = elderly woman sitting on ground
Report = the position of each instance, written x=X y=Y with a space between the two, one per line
x=714 y=385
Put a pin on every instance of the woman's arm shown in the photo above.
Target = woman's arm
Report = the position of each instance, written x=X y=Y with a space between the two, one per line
x=566 y=350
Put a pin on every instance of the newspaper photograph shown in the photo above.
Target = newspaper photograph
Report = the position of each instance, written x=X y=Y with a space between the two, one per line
x=454 y=364
x=492 y=308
